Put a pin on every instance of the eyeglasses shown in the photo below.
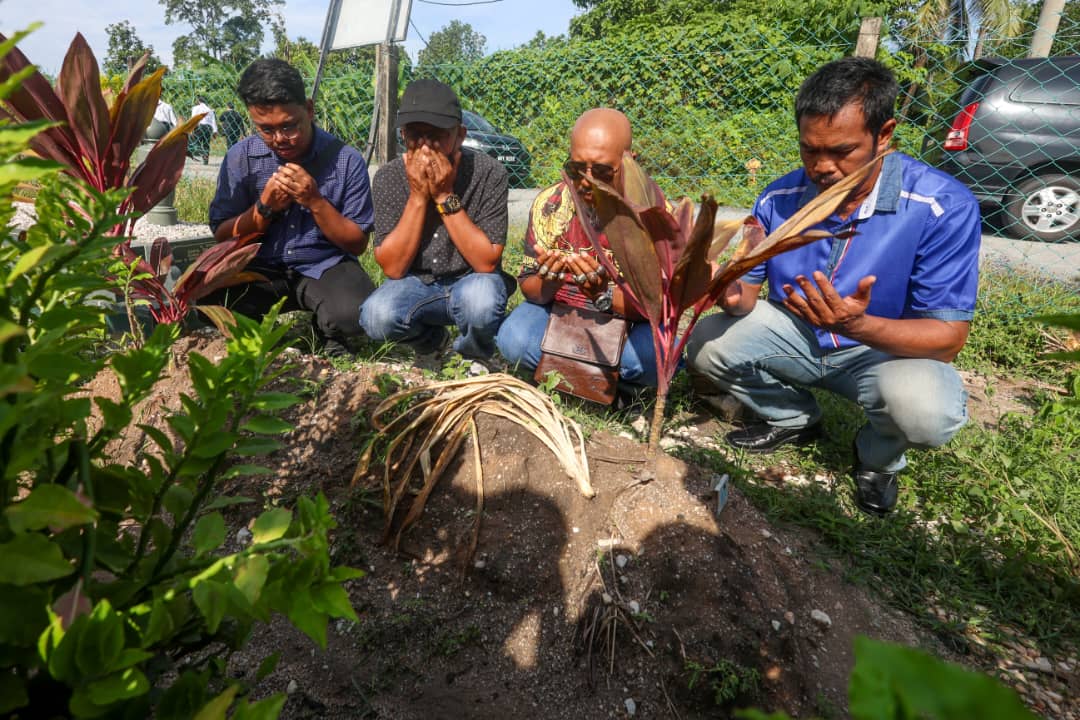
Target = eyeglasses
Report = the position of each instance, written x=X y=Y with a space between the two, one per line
x=576 y=170
x=289 y=131
x=433 y=135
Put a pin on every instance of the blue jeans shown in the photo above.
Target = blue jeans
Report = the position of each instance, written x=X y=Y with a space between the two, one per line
x=519 y=342
x=407 y=310
x=769 y=358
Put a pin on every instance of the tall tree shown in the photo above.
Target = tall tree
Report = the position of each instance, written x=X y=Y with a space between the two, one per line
x=217 y=25
x=454 y=43
x=125 y=47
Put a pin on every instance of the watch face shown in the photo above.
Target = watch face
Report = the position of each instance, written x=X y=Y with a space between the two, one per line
x=451 y=205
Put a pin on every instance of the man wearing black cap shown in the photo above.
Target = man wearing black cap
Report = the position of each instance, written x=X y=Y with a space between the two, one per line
x=440 y=229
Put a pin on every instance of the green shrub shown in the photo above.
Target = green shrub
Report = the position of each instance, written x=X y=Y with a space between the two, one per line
x=117 y=595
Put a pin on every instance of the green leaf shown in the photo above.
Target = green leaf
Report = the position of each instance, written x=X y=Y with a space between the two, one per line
x=250 y=447
x=52 y=506
x=158 y=437
x=889 y=677
x=332 y=599
x=100 y=642
x=184 y=698
x=307 y=618
x=211 y=447
x=32 y=258
x=266 y=709
x=342 y=573
x=30 y=558
x=212 y=599
x=216 y=708
x=177 y=500
x=251 y=576
x=266 y=425
x=28 y=605
x=245 y=471
x=1070 y=321
x=118 y=686
x=267 y=666
x=209 y=533
x=274 y=401
x=271 y=525
x=12 y=692
x=227 y=501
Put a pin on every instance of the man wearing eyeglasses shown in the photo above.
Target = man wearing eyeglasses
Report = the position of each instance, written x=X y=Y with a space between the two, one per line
x=307 y=194
x=440 y=229
x=559 y=264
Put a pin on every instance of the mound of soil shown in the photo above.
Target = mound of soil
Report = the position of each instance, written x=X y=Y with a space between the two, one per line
x=639 y=602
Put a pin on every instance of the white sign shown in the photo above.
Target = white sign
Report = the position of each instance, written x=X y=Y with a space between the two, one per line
x=366 y=22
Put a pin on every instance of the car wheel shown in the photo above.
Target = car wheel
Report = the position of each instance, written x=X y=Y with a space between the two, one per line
x=1046 y=207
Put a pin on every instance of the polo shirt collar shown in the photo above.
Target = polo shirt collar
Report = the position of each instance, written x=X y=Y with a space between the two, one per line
x=885 y=196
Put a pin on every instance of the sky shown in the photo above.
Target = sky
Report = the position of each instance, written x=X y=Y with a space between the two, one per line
x=505 y=23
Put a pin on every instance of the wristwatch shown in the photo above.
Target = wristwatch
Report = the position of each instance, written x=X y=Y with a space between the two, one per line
x=450 y=205
x=603 y=300
x=266 y=211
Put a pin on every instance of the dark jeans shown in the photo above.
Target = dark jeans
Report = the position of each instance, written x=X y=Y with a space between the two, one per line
x=335 y=298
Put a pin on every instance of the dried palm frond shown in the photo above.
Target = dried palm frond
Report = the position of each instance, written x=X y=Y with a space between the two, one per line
x=439 y=416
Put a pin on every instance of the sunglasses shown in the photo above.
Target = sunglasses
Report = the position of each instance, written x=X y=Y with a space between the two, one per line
x=576 y=170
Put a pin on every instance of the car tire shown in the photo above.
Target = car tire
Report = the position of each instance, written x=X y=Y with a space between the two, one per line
x=1046 y=208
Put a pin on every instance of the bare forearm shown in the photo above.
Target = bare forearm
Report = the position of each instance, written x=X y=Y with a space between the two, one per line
x=338 y=229
x=473 y=244
x=911 y=337
x=395 y=254
x=246 y=223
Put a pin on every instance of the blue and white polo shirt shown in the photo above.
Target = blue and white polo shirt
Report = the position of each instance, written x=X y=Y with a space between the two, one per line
x=918 y=232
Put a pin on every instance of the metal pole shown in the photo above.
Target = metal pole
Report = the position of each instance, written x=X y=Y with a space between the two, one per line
x=329 y=28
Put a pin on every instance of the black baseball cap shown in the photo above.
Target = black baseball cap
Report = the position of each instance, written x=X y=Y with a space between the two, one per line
x=431 y=102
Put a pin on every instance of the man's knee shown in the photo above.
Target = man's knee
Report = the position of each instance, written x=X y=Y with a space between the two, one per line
x=480 y=299
x=380 y=316
x=709 y=346
x=925 y=399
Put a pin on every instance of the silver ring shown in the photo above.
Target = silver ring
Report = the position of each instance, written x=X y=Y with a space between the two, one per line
x=593 y=276
x=544 y=270
x=579 y=278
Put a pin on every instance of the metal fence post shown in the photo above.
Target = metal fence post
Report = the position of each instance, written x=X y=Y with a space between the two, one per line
x=869 y=35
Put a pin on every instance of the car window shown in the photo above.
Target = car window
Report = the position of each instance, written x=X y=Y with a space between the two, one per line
x=472 y=121
x=1049 y=84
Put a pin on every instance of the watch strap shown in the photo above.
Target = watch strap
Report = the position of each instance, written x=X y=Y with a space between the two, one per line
x=266 y=211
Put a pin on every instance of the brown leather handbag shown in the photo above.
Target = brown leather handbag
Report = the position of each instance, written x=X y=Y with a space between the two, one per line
x=584 y=347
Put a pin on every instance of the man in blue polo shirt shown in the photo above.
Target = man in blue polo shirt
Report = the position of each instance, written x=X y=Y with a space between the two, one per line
x=875 y=314
x=307 y=194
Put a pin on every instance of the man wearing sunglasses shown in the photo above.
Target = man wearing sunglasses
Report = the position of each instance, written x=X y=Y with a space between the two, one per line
x=560 y=266
x=440 y=229
x=307 y=195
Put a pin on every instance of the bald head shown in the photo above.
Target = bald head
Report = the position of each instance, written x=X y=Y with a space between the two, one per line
x=604 y=127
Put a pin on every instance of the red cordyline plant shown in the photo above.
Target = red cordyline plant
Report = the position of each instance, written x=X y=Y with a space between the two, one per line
x=664 y=259
x=95 y=140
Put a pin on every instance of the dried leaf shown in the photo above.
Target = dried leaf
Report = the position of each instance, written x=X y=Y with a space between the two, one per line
x=222 y=318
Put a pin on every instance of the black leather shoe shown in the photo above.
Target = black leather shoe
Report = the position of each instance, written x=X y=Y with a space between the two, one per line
x=875 y=492
x=763 y=438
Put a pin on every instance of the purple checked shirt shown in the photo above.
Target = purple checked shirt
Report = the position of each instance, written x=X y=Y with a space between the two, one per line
x=295 y=240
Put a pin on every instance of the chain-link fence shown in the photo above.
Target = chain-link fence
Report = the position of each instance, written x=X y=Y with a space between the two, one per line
x=711 y=105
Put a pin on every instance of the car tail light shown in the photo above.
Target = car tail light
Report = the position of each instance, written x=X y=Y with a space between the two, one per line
x=957 y=139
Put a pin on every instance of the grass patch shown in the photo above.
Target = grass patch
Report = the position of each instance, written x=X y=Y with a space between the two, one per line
x=193 y=196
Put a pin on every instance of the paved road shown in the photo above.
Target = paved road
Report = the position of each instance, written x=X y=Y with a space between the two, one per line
x=1060 y=261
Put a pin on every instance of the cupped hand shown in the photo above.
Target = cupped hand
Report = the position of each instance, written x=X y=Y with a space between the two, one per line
x=300 y=186
x=821 y=306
